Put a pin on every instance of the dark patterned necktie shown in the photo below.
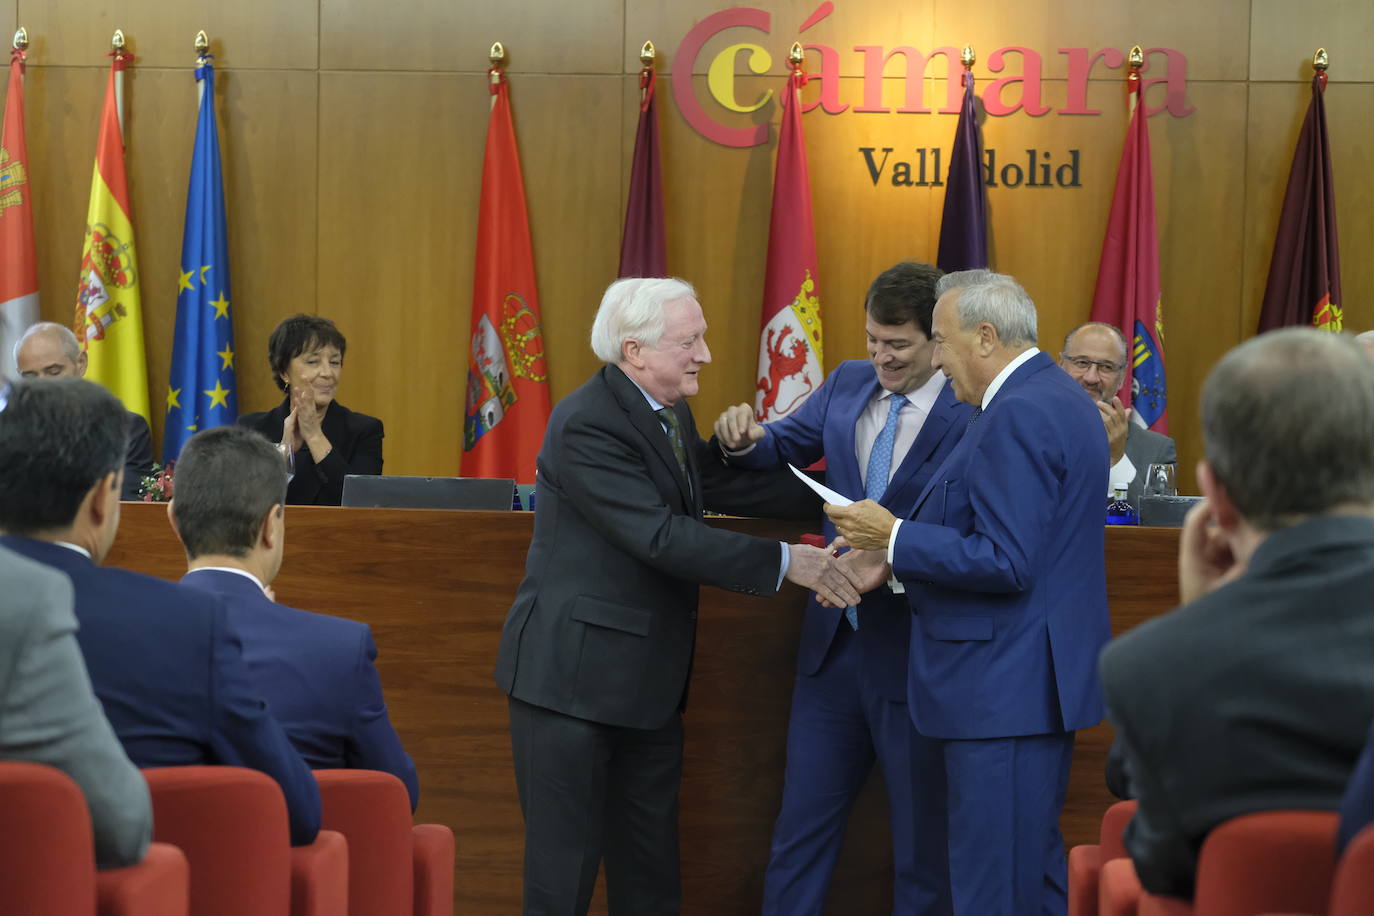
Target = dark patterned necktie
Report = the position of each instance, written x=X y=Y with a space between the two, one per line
x=674 y=437
x=977 y=412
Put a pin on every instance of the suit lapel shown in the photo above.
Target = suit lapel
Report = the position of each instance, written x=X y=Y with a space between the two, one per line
x=651 y=428
x=850 y=477
x=932 y=433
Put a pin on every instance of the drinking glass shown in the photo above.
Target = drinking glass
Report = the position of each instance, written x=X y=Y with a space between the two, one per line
x=1161 y=480
x=291 y=460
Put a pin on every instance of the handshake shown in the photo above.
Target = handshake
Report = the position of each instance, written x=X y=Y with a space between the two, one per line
x=838 y=577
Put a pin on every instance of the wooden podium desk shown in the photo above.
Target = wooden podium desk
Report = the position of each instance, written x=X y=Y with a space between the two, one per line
x=435 y=587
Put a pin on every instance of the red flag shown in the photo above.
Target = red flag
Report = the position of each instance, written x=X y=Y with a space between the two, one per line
x=508 y=388
x=790 y=345
x=1304 y=285
x=18 y=264
x=643 y=247
x=1127 y=293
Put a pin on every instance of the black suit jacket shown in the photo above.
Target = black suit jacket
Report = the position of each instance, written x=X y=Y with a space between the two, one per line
x=604 y=623
x=1255 y=697
x=357 y=449
x=138 y=457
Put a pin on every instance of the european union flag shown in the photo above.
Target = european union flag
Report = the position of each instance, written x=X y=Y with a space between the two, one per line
x=1148 y=396
x=201 y=392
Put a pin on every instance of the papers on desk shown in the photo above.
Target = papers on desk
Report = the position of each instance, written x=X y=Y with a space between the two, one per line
x=827 y=494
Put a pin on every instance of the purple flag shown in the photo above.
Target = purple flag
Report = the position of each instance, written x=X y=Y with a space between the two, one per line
x=643 y=247
x=964 y=226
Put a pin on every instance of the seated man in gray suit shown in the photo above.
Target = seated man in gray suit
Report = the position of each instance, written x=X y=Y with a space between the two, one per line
x=49 y=715
x=1095 y=355
x=1257 y=693
x=50 y=350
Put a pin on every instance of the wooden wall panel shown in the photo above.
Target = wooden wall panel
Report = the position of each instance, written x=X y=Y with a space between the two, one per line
x=540 y=37
x=246 y=33
x=1284 y=35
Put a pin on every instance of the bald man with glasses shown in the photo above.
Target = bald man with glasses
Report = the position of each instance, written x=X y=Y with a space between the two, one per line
x=1095 y=356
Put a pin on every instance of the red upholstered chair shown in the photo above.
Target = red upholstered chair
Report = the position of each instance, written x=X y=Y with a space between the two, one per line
x=1118 y=891
x=434 y=852
x=1269 y=862
x=319 y=876
x=47 y=856
x=1353 y=892
x=394 y=869
x=1085 y=862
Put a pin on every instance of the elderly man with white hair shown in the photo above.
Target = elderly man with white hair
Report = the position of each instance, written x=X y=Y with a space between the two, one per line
x=597 y=648
x=51 y=350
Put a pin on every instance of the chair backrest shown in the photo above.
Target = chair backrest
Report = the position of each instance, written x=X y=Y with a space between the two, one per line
x=1352 y=894
x=1272 y=861
x=372 y=810
x=47 y=854
x=1113 y=826
x=231 y=824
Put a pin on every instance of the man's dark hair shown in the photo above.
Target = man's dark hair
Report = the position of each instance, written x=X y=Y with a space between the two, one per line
x=227 y=479
x=58 y=438
x=300 y=334
x=1288 y=423
x=904 y=292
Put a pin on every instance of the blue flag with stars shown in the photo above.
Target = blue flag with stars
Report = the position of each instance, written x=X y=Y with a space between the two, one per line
x=201 y=392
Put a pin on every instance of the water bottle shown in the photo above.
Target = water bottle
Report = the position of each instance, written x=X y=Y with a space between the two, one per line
x=1120 y=512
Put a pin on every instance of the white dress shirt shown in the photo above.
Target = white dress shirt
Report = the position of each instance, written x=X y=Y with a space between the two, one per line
x=910 y=419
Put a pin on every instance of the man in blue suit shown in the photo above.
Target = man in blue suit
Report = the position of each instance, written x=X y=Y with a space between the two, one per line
x=164 y=661
x=316 y=671
x=1002 y=560
x=883 y=425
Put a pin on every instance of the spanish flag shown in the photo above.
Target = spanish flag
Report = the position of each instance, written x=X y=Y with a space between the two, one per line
x=109 y=318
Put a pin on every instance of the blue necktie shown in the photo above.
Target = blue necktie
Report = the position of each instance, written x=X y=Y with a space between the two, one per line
x=879 y=470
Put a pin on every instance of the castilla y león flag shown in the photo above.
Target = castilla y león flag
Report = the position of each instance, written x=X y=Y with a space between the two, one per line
x=1128 y=293
x=109 y=314
x=18 y=266
x=790 y=344
x=1304 y=285
x=507 y=403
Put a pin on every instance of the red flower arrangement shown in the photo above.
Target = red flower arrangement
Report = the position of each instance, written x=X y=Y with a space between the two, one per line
x=157 y=487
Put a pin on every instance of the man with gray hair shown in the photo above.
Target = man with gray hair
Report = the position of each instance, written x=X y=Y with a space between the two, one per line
x=597 y=647
x=1366 y=340
x=51 y=350
x=1002 y=562
x=1257 y=693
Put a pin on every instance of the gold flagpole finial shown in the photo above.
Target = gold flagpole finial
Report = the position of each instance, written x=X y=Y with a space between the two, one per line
x=117 y=42
x=1136 y=59
x=647 y=54
x=202 y=44
x=497 y=55
x=967 y=57
x=795 y=55
x=1320 y=60
x=21 y=39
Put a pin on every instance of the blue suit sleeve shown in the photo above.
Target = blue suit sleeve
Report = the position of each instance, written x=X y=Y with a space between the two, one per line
x=375 y=744
x=1013 y=492
x=797 y=438
x=1357 y=807
x=245 y=734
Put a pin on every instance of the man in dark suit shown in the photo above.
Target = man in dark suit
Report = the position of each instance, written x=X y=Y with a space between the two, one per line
x=597 y=647
x=49 y=715
x=1258 y=692
x=1002 y=561
x=50 y=350
x=1095 y=355
x=316 y=671
x=883 y=425
x=164 y=661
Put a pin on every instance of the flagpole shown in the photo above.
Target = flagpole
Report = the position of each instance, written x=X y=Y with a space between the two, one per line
x=497 y=56
x=1136 y=61
x=647 y=53
x=117 y=52
x=1320 y=62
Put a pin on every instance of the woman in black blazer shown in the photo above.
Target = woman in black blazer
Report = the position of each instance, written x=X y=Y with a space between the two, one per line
x=323 y=439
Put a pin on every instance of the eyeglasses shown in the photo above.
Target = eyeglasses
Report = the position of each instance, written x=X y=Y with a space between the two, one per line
x=1083 y=364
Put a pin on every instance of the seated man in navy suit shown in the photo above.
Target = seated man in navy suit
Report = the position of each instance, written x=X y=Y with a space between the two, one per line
x=316 y=671
x=163 y=660
x=883 y=425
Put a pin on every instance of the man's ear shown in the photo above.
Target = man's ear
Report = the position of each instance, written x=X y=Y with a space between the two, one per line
x=631 y=351
x=99 y=506
x=987 y=338
x=172 y=518
x=267 y=531
x=1223 y=510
